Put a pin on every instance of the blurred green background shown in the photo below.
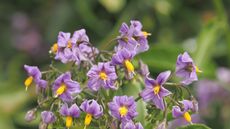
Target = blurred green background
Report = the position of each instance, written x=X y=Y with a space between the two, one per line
x=30 y=27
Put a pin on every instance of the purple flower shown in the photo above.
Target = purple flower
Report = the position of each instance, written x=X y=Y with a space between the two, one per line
x=131 y=125
x=123 y=108
x=102 y=74
x=92 y=109
x=64 y=87
x=30 y=115
x=48 y=117
x=144 y=69
x=133 y=38
x=186 y=69
x=155 y=91
x=70 y=113
x=34 y=75
x=184 y=110
x=223 y=74
x=64 y=47
x=123 y=57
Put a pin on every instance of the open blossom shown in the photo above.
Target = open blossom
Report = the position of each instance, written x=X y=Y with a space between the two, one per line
x=34 y=75
x=92 y=110
x=123 y=57
x=48 y=117
x=103 y=75
x=184 y=111
x=70 y=113
x=132 y=37
x=131 y=125
x=123 y=108
x=154 y=90
x=186 y=69
x=64 y=87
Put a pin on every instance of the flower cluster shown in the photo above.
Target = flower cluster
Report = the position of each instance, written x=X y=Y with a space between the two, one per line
x=96 y=84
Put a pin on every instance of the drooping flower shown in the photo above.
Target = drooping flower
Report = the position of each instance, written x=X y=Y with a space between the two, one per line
x=144 y=69
x=131 y=125
x=70 y=113
x=103 y=75
x=64 y=87
x=34 y=75
x=83 y=51
x=132 y=37
x=92 y=110
x=123 y=108
x=48 y=117
x=30 y=115
x=186 y=69
x=184 y=111
x=64 y=47
x=123 y=57
x=154 y=90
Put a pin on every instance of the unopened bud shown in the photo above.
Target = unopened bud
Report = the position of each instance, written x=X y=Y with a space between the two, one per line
x=30 y=115
x=42 y=125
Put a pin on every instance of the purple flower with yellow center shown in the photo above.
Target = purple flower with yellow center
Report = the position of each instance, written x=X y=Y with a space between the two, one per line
x=70 y=113
x=34 y=75
x=48 y=117
x=131 y=125
x=92 y=110
x=123 y=57
x=133 y=38
x=64 y=87
x=63 y=48
x=154 y=90
x=184 y=110
x=186 y=69
x=123 y=108
x=103 y=75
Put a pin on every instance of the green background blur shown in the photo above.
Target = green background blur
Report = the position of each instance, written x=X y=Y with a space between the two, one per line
x=29 y=27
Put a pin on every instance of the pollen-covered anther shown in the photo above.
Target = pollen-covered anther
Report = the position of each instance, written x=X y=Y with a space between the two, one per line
x=69 y=45
x=129 y=66
x=28 y=81
x=187 y=117
x=123 y=111
x=156 y=89
x=60 y=90
x=146 y=34
x=54 y=48
x=103 y=76
x=88 y=119
x=69 y=121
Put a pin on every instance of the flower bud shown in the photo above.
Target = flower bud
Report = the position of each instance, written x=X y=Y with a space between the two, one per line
x=42 y=125
x=30 y=115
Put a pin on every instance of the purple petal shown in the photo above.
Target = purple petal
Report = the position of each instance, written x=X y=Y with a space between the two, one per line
x=163 y=77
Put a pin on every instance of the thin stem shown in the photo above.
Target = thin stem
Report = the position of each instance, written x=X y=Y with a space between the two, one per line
x=166 y=110
x=138 y=98
x=179 y=85
x=52 y=67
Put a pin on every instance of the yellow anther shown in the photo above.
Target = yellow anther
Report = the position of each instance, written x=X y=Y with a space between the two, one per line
x=103 y=75
x=129 y=66
x=61 y=89
x=198 y=70
x=123 y=111
x=156 y=89
x=54 y=48
x=88 y=119
x=28 y=81
x=187 y=117
x=146 y=34
x=69 y=45
x=69 y=121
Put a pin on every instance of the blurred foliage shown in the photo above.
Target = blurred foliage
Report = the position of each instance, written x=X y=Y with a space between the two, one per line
x=200 y=27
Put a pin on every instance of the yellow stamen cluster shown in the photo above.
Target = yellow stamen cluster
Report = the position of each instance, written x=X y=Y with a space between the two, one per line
x=61 y=89
x=156 y=89
x=123 y=111
x=198 y=70
x=187 y=117
x=88 y=119
x=69 y=45
x=28 y=81
x=146 y=34
x=54 y=48
x=129 y=66
x=69 y=121
x=103 y=76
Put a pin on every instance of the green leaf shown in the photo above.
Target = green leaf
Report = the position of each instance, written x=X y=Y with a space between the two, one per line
x=194 y=126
